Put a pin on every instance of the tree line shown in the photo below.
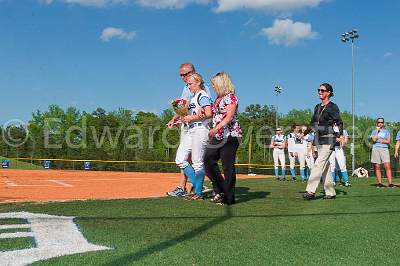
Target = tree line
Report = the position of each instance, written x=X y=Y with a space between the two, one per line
x=125 y=135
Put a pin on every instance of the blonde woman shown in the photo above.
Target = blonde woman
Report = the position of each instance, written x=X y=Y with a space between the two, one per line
x=195 y=141
x=226 y=134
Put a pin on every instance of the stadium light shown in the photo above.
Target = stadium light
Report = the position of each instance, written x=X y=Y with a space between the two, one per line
x=278 y=90
x=351 y=36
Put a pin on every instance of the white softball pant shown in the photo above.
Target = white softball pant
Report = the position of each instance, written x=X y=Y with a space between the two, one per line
x=194 y=142
x=292 y=160
x=302 y=159
x=310 y=160
x=279 y=156
x=337 y=157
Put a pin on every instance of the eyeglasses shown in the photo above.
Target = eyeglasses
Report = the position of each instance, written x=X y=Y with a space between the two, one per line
x=322 y=90
x=380 y=122
x=185 y=74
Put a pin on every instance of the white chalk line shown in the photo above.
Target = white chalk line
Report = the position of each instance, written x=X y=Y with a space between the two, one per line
x=14 y=226
x=60 y=182
x=16 y=235
x=9 y=183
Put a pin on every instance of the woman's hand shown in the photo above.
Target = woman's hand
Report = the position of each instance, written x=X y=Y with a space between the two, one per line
x=212 y=132
x=187 y=119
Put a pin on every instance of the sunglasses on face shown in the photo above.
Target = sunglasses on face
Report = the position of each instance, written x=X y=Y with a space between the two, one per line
x=380 y=122
x=185 y=74
x=322 y=90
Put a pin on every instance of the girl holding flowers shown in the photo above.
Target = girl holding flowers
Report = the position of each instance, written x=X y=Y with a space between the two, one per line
x=195 y=141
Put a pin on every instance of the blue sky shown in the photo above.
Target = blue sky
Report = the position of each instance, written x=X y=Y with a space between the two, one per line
x=126 y=53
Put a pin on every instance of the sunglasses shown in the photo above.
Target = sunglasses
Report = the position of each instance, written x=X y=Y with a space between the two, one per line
x=185 y=74
x=380 y=122
x=322 y=90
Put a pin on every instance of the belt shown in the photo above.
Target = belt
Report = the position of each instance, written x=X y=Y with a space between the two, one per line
x=196 y=124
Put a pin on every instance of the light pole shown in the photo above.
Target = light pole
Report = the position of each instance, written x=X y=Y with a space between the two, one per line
x=278 y=90
x=350 y=37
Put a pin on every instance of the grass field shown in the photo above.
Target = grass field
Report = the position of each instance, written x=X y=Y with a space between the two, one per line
x=15 y=164
x=270 y=225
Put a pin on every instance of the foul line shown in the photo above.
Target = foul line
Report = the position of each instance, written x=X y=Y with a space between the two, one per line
x=60 y=182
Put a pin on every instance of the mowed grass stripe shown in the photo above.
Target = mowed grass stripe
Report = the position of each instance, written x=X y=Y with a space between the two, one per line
x=9 y=244
x=270 y=225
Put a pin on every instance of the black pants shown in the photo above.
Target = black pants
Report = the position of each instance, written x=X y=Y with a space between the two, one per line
x=226 y=151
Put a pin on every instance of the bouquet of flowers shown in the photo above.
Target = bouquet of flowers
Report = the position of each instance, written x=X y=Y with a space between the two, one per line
x=180 y=107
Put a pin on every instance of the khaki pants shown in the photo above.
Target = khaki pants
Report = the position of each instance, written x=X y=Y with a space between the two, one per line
x=321 y=169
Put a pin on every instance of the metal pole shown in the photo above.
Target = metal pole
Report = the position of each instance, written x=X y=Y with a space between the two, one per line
x=250 y=154
x=276 y=110
x=353 y=107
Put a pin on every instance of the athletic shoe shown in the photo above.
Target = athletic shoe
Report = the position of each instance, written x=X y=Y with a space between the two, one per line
x=294 y=178
x=329 y=197
x=347 y=184
x=393 y=185
x=309 y=196
x=380 y=185
x=177 y=192
x=194 y=197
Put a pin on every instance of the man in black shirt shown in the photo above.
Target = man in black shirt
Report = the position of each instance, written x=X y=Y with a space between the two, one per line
x=328 y=128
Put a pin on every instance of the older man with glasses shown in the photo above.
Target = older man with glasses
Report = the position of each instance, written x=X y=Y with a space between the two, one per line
x=380 y=138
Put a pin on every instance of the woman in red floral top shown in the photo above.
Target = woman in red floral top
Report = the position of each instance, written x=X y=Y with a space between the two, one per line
x=226 y=135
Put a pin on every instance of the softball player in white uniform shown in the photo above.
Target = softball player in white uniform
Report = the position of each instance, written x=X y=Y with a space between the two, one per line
x=300 y=145
x=310 y=154
x=278 y=144
x=338 y=159
x=292 y=153
x=194 y=142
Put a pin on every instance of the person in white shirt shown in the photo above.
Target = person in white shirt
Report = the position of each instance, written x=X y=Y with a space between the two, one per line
x=338 y=161
x=310 y=153
x=278 y=143
x=290 y=143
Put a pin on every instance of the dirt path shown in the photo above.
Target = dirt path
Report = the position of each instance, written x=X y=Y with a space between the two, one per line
x=55 y=185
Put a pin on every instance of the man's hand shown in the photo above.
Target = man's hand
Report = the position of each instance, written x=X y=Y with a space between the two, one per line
x=188 y=119
x=396 y=155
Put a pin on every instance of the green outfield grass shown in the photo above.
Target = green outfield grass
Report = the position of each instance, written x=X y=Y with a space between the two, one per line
x=270 y=225
x=15 y=164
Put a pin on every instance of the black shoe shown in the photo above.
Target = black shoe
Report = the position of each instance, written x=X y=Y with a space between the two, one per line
x=329 y=197
x=294 y=179
x=380 y=185
x=393 y=185
x=218 y=198
x=309 y=196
